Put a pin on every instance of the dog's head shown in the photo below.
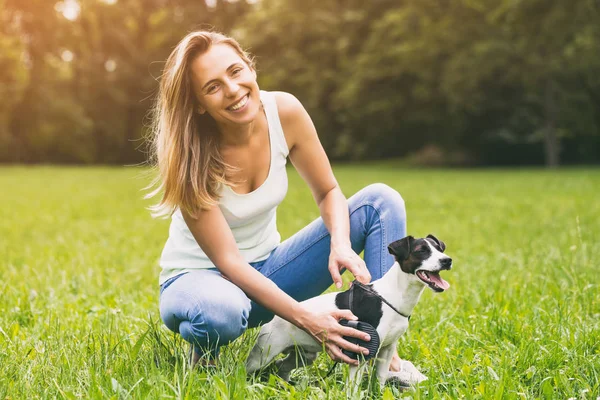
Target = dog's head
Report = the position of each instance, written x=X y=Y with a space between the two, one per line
x=423 y=258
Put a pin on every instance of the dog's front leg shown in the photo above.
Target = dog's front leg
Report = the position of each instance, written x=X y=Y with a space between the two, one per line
x=269 y=344
x=355 y=375
x=384 y=359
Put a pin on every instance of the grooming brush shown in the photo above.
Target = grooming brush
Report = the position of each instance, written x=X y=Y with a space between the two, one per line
x=372 y=345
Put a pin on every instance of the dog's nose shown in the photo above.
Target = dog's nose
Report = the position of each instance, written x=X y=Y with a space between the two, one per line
x=446 y=263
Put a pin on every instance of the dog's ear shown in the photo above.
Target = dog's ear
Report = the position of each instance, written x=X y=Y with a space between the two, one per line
x=401 y=248
x=441 y=246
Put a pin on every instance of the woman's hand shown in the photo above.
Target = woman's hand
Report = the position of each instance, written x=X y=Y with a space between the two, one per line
x=342 y=256
x=325 y=328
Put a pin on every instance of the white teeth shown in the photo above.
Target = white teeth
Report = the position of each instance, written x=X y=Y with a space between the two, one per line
x=240 y=104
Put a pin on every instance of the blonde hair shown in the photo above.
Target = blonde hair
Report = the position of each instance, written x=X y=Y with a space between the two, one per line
x=184 y=144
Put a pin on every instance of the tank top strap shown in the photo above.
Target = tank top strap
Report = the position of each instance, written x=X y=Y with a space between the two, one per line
x=276 y=130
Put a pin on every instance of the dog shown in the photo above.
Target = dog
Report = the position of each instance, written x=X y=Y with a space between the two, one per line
x=386 y=304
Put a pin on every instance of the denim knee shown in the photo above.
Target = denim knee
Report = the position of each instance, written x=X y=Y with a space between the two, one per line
x=377 y=218
x=206 y=322
x=384 y=196
x=225 y=323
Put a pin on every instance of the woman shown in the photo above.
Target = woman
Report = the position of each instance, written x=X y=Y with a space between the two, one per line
x=221 y=146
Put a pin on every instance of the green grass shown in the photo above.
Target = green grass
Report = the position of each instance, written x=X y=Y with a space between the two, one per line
x=79 y=295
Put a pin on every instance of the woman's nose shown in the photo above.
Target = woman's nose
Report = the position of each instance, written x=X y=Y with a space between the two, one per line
x=231 y=87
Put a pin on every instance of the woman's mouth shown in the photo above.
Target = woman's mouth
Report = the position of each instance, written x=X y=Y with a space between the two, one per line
x=237 y=106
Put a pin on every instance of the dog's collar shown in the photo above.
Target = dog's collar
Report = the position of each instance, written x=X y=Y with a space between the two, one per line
x=366 y=288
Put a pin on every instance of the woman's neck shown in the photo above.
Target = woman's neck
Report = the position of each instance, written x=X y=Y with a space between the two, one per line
x=234 y=136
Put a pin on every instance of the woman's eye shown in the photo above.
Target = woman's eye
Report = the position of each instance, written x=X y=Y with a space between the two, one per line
x=212 y=88
x=236 y=71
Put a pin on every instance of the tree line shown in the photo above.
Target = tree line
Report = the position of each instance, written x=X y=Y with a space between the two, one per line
x=465 y=82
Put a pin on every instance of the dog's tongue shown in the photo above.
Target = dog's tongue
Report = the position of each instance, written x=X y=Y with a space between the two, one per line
x=437 y=279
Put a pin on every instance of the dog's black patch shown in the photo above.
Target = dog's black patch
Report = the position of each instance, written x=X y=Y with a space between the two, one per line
x=410 y=253
x=366 y=306
x=401 y=249
x=437 y=243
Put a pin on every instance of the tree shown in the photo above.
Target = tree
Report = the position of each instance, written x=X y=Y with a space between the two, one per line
x=14 y=80
x=543 y=33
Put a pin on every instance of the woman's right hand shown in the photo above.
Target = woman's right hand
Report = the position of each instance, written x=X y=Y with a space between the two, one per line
x=325 y=328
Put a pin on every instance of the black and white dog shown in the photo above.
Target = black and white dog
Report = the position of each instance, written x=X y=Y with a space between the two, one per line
x=386 y=304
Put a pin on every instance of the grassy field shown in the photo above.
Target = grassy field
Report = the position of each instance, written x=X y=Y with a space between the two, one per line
x=79 y=294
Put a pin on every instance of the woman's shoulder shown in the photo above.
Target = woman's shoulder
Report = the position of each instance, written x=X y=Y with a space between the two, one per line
x=292 y=116
x=288 y=106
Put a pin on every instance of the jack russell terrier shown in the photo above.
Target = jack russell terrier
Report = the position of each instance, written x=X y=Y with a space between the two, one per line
x=386 y=304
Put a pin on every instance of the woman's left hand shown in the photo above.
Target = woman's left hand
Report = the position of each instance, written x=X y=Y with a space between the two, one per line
x=342 y=256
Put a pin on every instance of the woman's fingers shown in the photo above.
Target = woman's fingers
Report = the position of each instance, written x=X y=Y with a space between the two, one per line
x=364 y=276
x=340 y=331
x=359 y=270
x=331 y=334
x=345 y=314
x=346 y=345
x=355 y=333
x=366 y=272
x=335 y=353
x=335 y=275
x=352 y=262
x=337 y=344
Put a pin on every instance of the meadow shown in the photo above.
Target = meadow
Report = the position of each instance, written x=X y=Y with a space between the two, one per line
x=79 y=294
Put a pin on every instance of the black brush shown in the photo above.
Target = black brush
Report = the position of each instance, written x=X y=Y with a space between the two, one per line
x=371 y=345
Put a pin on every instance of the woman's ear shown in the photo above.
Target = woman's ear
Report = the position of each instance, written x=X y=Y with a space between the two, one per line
x=201 y=110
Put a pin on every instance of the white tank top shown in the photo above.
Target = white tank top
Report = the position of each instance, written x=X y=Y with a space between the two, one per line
x=251 y=216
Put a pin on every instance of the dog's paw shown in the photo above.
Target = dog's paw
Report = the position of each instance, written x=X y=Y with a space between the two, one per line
x=408 y=376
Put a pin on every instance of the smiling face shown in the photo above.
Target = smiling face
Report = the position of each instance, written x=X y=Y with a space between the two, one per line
x=225 y=86
x=423 y=258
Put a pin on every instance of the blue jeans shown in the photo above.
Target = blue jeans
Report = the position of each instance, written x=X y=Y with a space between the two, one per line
x=209 y=311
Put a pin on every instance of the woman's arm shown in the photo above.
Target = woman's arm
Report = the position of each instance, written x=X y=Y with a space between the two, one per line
x=216 y=240
x=311 y=162
x=334 y=210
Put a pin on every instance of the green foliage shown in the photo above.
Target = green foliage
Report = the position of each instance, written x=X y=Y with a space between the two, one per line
x=13 y=82
x=91 y=78
x=492 y=82
x=382 y=79
x=14 y=78
x=79 y=311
